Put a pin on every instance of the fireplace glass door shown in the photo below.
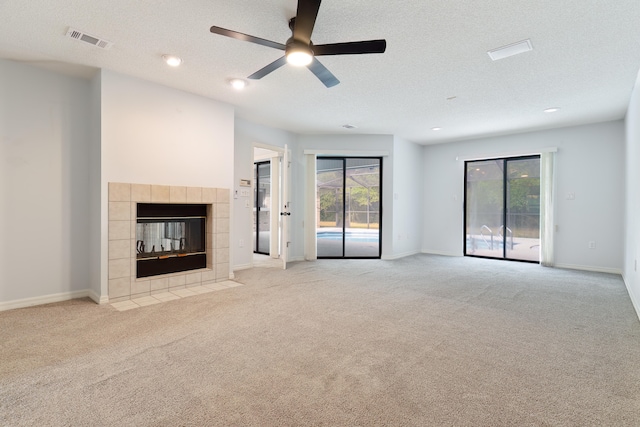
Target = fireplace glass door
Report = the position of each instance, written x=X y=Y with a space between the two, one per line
x=170 y=238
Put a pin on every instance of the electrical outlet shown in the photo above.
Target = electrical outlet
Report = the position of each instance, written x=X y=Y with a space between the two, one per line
x=241 y=243
x=592 y=244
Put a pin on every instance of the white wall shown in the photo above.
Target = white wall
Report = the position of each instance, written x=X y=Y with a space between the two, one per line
x=44 y=188
x=632 y=198
x=356 y=145
x=152 y=134
x=95 y=183
x=589 y=163
x=407 y=198
x=248 y=135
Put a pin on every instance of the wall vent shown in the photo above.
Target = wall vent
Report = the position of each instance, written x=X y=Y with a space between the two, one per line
x=87 y=38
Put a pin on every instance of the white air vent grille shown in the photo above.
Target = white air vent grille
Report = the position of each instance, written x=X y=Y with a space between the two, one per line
x=87 y=38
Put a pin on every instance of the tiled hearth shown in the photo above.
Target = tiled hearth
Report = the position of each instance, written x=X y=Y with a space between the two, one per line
x=123 y=200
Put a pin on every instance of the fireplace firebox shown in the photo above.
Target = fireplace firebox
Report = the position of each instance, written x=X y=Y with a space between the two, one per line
x=170 y=238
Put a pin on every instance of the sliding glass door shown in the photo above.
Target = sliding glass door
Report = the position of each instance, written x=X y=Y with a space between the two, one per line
x=502 y=208
x=349 y=195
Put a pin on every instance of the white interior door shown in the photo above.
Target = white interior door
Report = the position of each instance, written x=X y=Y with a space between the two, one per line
x=285 y=213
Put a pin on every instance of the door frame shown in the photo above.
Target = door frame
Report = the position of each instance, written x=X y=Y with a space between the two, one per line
x=504 y=206
x=277 y=190
x=256 y=193
x=344 y=159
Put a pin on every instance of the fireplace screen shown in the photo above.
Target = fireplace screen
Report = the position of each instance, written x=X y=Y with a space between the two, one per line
x=170 y=238
x=177 y=237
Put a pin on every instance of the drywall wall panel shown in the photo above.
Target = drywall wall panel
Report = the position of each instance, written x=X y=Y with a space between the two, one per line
x=44 y=188
x=632 y=198
x=589 y=191
x=407 y=197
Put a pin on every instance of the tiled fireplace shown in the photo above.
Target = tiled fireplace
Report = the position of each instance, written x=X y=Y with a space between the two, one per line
x=126 y=246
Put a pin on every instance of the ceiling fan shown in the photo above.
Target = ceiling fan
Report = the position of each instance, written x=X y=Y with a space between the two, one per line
x=300 y=51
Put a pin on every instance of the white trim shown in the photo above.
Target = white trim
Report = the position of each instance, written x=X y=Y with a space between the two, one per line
x=432 y=252
x=242 y=267
x=98 y=299
x=275 y=148
x=45 y=299
x=354 y=153
x=506 y=154
x=590 y=268
x=398 y=256
x=632 y=296
x=310 y=208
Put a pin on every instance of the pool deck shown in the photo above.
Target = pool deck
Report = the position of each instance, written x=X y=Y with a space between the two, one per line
x=526 y=249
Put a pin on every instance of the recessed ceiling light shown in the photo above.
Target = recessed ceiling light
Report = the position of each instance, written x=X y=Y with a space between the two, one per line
x=552 y=110
x=348 y=126
x=451 y=98
x=172 y=60
x=238 y=84
x=436 y=129
x=510 y=50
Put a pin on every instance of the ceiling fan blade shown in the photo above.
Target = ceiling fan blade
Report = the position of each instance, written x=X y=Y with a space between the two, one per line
x=305 y=20
x=269 y=68
x=350 y=48
x=321 y=72
x=247 y=38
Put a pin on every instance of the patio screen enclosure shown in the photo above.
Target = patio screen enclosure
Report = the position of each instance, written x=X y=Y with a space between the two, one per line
x=348 y=204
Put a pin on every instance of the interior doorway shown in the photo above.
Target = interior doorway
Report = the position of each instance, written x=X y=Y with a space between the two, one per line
x=270 y=203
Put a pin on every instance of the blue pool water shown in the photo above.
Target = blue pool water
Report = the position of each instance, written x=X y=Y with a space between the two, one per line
x=349 y=236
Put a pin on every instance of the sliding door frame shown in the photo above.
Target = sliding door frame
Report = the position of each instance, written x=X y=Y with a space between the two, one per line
x=505 y=160
x=344 y=205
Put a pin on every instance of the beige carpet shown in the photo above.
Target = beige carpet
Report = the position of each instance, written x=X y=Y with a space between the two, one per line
x=424 y=340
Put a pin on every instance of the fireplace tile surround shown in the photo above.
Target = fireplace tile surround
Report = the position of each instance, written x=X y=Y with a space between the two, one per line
x=123 y=200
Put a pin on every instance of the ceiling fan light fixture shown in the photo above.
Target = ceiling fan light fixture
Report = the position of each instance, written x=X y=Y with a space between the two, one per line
x=298 y=53
x=172 y=60
x=299 y=58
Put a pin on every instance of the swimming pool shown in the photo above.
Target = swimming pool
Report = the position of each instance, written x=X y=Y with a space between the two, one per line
x=352 y=236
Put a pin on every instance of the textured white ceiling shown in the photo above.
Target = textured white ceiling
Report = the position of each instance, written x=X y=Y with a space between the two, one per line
x=585 y=60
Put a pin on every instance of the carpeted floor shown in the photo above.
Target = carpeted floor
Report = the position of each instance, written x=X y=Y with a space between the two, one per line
x=424 y=340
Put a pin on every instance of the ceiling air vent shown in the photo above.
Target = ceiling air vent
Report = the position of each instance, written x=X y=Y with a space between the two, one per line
x=87 y=38
x=510 y=50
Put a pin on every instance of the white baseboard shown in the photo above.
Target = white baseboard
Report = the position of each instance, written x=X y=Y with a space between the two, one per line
x=104 y=299
x=590 y=268
x=241 y=267
x=398 y=256
x=45 y=299
x=634 y=298
x=434 y=252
